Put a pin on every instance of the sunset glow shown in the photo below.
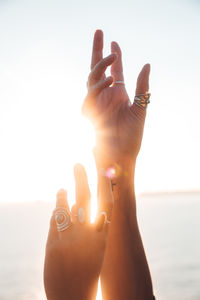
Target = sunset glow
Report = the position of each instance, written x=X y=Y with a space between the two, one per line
x=43 y=78
x=45 y=61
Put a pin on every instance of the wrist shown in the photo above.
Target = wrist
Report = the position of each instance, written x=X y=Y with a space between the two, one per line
x=121 y=173
x=123 y=166
x=123 y=185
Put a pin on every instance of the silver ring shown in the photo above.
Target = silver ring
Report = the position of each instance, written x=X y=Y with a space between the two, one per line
x=81 y=215
x=142 y=100
x=119 y=82
x=63 y=218
x=106 y=221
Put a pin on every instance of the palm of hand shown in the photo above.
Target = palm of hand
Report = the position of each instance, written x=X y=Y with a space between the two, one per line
x=119 y=126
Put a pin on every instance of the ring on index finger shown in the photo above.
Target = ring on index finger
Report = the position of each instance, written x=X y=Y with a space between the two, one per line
x=63 y=218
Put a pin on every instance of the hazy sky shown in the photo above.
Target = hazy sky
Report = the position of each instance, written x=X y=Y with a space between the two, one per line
x=45 y=49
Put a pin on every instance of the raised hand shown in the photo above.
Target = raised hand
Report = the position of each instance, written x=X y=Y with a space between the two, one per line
x=118 y=123
x=119 y=128
x=75 y=247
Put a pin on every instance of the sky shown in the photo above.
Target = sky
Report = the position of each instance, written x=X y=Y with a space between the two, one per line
x=45 y=50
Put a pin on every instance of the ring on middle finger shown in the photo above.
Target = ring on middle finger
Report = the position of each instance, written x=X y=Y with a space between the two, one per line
x=119 y=82
x=81 y=215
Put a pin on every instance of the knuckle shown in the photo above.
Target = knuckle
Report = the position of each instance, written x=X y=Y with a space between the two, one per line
x=101 y=64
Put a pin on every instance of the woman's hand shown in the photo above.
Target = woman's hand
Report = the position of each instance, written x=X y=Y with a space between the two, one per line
x=119 y=129
x=75 y=255
x=119 y=124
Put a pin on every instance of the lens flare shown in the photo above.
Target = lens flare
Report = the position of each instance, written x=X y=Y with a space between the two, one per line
x=110 y=172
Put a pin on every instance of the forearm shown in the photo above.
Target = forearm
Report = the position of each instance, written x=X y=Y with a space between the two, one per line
x=116 y=275
x=79 y=291
x=125 y=273
x=140 y=274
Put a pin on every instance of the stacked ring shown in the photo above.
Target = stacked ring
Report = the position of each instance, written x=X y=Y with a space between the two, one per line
x=142 y=100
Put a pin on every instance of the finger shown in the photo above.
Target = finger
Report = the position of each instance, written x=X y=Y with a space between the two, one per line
x=100 y=68
x=82 y=193
x=99 y=223
x=97 y=51
x=116 y=67
x=105 y=195
x=142 y=86
x=100 y=85
x=91 y=100
x=74 y=212
x=61 y=199
x=53 y=232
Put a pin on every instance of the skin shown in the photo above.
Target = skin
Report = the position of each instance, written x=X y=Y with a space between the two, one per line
x=74 y=257
x=118 y=123
x=119 y=129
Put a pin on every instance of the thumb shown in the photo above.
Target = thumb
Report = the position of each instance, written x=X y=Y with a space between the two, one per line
x=142 y=86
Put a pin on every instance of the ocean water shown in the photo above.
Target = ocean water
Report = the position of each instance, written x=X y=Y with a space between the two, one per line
x=169 y=224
